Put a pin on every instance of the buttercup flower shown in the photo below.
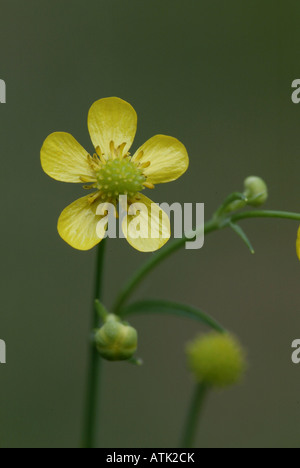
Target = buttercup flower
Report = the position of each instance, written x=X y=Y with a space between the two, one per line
x=112 y=172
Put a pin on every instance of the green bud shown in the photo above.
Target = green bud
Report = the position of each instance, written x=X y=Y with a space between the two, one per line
x=256 y=191
x=116 y=340
x=216 y=359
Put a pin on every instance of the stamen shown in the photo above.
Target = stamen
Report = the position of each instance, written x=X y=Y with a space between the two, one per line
x=94 y=197
x=121 y=149
x=139 y=156
x=98 y=151
x=148 y=185
x=87 y=179
x=102 y=158
x=98 y=160
x=92 y=162
x=145 y=165
x=112 y=150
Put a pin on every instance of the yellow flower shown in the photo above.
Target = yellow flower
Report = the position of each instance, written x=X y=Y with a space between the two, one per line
x=112 y=172
x=298 y=244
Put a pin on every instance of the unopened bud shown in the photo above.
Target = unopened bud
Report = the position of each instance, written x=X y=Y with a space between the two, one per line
x=256 y=191
x=116 y=341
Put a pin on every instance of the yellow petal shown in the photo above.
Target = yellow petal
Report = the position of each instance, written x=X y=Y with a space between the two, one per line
x=147 y=227
x=168 y=158
x=112 y=119
x=298 y=244
x=77 y=225
x=64 y=159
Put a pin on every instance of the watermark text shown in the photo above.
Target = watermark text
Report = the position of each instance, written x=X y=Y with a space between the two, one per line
x=2 y=352
x=2 y=92
x=152 y=221
x=296 y=353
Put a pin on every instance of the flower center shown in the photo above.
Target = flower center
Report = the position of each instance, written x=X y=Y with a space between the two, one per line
x=120 y=177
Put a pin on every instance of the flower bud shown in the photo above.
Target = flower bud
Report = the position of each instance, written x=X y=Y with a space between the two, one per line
x=216 y=359
x=116 y=340
x=256 y=191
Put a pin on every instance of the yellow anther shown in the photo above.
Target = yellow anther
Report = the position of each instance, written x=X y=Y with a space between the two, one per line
x=92 y=162
x=121 y=149
x=145 y=165
x=139 y=156
x=99 y=159
x=148 y=185
x=94 y=197
x=113 y=151
x=98 y=151
x=87 y=179
x=102 y=159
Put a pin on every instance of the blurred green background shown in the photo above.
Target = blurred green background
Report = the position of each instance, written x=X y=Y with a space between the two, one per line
x=217 y=75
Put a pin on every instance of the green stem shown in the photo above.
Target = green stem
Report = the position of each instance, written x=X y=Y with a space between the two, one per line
x=95 y=364
x=265 y=214
x=191 y=424
x=233 y=197
x=167 y=307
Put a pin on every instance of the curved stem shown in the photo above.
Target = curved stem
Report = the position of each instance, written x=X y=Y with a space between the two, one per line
x=265 y=214
x=233 y=197
x=191 y=424
x=92 y=392
x=173 y=308
x=154 y=261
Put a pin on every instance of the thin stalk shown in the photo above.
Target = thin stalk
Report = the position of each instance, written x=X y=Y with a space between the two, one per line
x=91 y=417
x=173 y=308
x=265 y=214
x=191 y=424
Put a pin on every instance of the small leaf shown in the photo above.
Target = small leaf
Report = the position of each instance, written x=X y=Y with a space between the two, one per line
x=101 y=310
x=166 y=307
x=241 y=233
x=233 y=202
